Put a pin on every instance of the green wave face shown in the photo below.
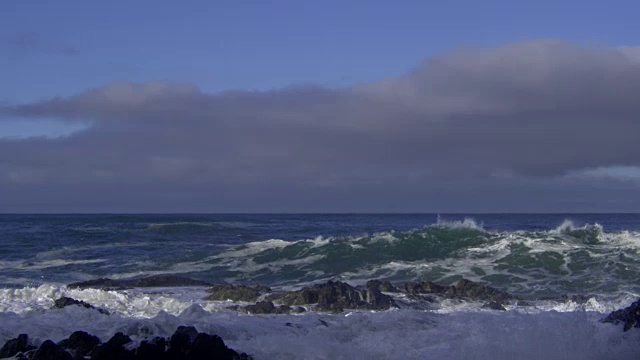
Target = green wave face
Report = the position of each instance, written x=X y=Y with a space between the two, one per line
x=530 y=264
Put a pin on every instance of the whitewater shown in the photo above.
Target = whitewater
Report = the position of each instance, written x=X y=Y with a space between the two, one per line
x=538 y=258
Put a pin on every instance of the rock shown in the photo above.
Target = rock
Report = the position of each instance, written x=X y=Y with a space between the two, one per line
x=149 y=281
x=113 y=349
x=67 y=301
x=152 y=349
x=469 y=290
x=50 y=351
x=337 y=296
x=207 y=346
x=267 y=307
x=383 y=286
x=185 y=344
x=15 y=346
x=423 y=287
x=180 y=342
x=80 y=343
x=236 y=292
x=630 y=316
x=494 y=305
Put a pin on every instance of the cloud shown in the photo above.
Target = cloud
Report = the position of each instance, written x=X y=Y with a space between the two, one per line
x=470 y=126
x=26 y=42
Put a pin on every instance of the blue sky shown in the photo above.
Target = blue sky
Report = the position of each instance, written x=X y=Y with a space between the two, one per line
x=222 y=45
x=337 y=73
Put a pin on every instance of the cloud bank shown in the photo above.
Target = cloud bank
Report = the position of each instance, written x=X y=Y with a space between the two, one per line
x=475 y=129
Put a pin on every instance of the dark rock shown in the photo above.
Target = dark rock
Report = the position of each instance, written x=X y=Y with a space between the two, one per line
x=181 y=341
x=50 y=351
x=67 y=301
x=423 y=287
x=384 y=286
x=113 y=349
x=630 y=316
x=469 y=290
x=80 y=343
x=236 y=292
x=207 y=346
x=494 y=305
x=267 y=307
x=15 y=346
x=337 y=296
x=149 y=281
x=152 y=349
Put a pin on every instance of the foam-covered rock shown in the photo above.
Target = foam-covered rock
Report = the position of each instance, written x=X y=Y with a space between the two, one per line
x=337 y=296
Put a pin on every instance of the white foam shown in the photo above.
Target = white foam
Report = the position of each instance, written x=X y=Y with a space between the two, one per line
x=406 y=334
x=467 y=223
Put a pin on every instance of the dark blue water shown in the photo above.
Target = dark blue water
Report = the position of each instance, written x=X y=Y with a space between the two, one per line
x=541 y=254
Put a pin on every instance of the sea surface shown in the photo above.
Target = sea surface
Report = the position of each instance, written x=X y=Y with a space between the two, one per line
x=536 y=257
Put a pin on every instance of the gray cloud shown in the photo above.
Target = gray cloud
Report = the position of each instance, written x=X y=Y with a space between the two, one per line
x=473 y=129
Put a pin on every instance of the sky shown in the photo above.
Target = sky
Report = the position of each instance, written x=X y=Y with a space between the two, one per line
x=332 y=106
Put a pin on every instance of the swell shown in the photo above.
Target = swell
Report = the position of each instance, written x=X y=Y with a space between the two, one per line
x=534 y=264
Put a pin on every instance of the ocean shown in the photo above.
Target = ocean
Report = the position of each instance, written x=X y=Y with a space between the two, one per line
x=538 y=258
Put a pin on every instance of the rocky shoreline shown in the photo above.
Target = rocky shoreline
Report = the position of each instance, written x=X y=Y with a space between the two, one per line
x=332 y=297
x=186 y=343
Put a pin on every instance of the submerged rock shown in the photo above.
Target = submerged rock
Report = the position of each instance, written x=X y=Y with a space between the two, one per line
x=149 y=281
x=236 y=292
x=67 y=301
x=630 y=316
x=337 y=296
x=14 y=346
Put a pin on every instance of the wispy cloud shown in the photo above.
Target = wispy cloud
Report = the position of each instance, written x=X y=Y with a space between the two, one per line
x=27 y=42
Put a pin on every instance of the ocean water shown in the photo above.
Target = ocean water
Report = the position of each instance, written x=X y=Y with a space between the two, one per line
x=537 y=257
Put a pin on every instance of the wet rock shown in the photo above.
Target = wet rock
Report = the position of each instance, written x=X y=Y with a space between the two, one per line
x=383 y=286
x=113 y=349
x=494 y=305
x=266 y=307
x=207 y=346
x=180 y=342
x=185 y=344
x=236 y=292
x=422 y=287
x=80 y=343
x=629 y=316
x=50 y=351
x=469 y=290
x=15 y=346
x=148 y=281
x=153 y=349
x=337 y=296
x=67 y=301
